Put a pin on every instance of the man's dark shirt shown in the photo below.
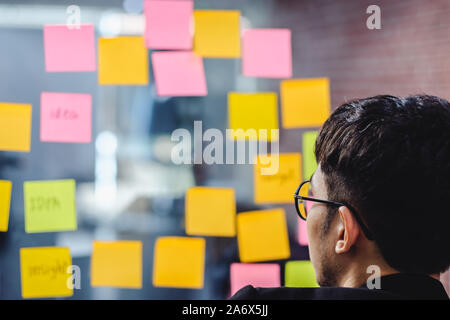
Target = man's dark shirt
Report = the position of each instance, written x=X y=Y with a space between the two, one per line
x=395 y=286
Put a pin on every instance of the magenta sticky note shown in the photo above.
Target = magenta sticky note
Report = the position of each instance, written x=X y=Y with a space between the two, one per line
x=66 y=117
x=302 y=233
x=266 y=275
x=168 y=24
x=179 y=73
x=69 y=49
x=267 y=53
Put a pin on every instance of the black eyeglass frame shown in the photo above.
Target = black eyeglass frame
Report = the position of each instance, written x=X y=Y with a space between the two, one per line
x=331 y=203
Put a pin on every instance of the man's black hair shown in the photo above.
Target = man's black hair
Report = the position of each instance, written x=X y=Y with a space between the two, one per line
x=389 y=158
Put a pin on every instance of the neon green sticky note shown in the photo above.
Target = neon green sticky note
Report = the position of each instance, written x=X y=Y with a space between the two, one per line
x=299 y=274
x=309 y=158
x=50 y=206
x=5 y=199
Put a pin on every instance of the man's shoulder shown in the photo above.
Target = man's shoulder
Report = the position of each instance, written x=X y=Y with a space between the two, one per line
x=326 y=293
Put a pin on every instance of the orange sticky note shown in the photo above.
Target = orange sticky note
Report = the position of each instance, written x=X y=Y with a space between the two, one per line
x=122 y=61
x=15 y=127
x=5 y=199
x=253 y=111
x=210 y=212
x=217 y=33
x=262 y=235
x=44 y=272
x=117 y=264
x=279 y=187
x=305 y=102
x=179 y=262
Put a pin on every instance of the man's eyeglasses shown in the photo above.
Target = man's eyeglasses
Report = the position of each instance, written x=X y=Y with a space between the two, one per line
x=301 y=198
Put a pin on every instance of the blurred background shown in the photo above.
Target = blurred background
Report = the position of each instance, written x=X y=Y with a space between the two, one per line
x=127 y=186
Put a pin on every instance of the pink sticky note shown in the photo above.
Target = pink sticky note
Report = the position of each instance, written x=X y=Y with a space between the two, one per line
x=179 y=74
x=66 y=117
x=302 y=233
x=267 y=53
x=168 y=24
x=69 y=50
x=256 y=274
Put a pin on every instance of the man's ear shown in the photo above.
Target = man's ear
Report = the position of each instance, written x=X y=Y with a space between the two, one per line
x=348 y=230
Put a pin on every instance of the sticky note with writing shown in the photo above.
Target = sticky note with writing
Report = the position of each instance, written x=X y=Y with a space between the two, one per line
x=262 y=235
x=309 y=158
x=44 y=272
x=69 y=49
x=253 y=115
x=15 y=127
x=267 y=53
x=211 y=212
x=217 y=33
x=265 y=275
x=66 y=117
x=168 y=24
x=299 y=274
x=50 y=206
x=116 y=264
x=305 y=102
x=179 y=74
x=280 y=186
x=122 y=61
x=5 y=200
x=179 y=262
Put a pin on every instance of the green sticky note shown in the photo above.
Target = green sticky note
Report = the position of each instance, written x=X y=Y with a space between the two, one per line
x=309 y=159
x=50 y=206
x=299 y=274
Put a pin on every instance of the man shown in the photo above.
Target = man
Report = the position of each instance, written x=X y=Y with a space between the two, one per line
x=378 y=202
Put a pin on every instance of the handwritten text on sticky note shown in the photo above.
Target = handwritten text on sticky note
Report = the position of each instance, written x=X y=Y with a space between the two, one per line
x=15 y=127
x=279 y=187
x=50 y=206
x=66 y=117
x=179 y=262
x=45 y=272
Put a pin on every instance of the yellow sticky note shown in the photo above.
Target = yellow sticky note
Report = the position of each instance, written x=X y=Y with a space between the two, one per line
x=253 y=111
x=15 y=127
x=210 y=212
x=5 y=199
x=179 y=262
x=305 y=102
x=279 y=187
x=217 y=33
x=116 y=264
x=122 y=61
x=44 y=272
x=50 y=206
x=299 y=274
x=263 y=235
